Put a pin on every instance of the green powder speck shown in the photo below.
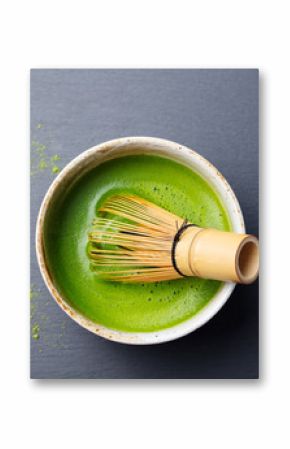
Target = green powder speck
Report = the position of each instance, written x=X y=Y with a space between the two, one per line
x=55 y=169
x=33 y=296
x=39 y=125
x=41 y=148
x=33 y=292
x=32 y=309
x=42 y=164
x=35 y=331
x=55 y=157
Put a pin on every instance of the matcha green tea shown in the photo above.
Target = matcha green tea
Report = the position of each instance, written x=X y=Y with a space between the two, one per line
x=129 y=307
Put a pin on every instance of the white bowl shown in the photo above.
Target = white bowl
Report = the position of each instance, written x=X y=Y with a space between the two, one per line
x=129 y=146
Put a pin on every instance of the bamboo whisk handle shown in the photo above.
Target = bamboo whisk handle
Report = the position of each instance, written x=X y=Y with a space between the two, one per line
x=219 y=255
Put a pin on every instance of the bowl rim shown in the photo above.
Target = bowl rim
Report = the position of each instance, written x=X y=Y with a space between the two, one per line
x=181 y=154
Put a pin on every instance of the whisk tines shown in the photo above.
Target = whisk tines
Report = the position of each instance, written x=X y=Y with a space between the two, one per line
x=131 y=240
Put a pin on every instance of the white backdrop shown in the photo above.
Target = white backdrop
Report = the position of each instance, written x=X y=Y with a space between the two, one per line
x=203 y=414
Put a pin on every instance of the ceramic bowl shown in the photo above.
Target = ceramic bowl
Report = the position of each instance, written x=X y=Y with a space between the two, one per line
x=132 y=146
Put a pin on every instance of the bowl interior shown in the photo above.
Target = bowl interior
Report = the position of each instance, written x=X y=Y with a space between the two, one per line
x=132 y=146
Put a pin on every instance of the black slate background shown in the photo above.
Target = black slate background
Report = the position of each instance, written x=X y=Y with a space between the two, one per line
x=212 y=111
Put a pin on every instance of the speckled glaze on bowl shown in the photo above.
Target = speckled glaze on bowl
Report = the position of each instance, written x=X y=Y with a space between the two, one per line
x=132 y=146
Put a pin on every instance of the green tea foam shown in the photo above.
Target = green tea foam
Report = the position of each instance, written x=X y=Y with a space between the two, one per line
x=129 y=307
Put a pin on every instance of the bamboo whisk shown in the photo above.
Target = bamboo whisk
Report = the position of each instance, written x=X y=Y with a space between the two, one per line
x=133 y=240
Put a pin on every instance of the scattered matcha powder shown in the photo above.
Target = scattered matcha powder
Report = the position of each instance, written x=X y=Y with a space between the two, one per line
x=42 y=164
x=56 y=157
x=33 y=297
x=33 y=292
x=40 y=321
x=40 y=159
x=35 y=331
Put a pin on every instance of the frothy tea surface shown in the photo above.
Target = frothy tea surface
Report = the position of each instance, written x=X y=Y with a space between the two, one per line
x=129 y=307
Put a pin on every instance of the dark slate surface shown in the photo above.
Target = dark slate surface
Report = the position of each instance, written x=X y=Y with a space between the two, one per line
x=212 y=111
